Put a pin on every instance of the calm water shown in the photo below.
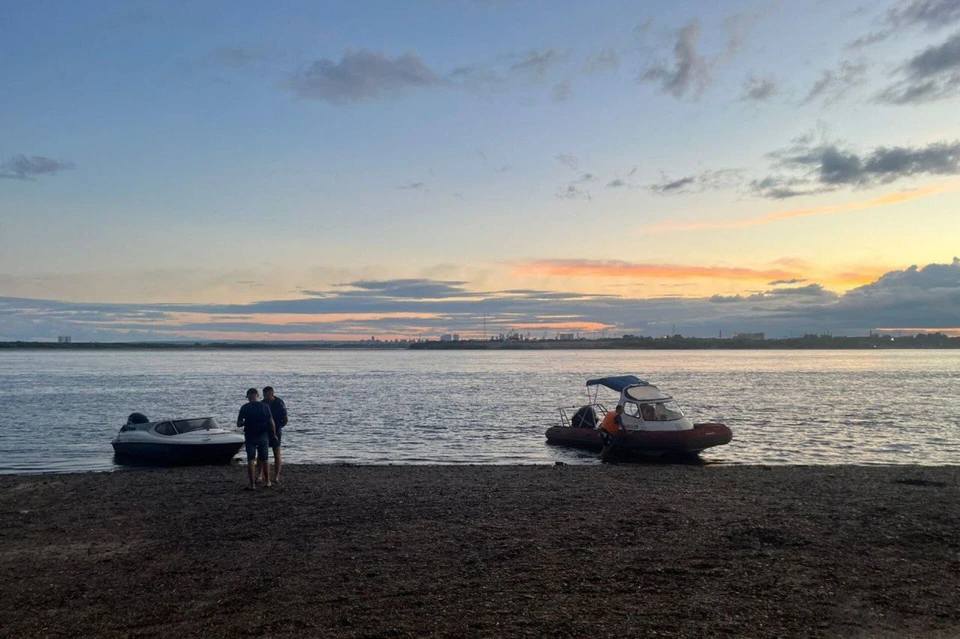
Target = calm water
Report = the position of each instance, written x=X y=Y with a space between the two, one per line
x=838 y=407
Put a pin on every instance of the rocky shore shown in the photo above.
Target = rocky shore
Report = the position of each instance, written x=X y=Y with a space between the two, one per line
x=434 y=551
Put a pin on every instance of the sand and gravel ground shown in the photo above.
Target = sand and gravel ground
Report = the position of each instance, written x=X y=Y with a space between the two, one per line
x=432 y=551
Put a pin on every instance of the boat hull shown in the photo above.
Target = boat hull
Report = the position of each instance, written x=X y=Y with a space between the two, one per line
x=643 y=443
x=169 y=453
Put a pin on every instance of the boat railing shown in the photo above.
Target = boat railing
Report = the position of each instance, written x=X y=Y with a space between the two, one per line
x=567 y=412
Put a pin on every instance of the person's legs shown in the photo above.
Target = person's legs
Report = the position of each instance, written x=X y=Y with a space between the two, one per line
x=277 y=455
x=251 y=447
x=609 y=441
x=264 y=461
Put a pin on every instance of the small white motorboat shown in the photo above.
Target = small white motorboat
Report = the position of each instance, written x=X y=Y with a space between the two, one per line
x=178 y=441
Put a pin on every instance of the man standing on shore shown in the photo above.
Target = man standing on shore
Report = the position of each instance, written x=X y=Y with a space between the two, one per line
x=279 y=411
x=257 y=422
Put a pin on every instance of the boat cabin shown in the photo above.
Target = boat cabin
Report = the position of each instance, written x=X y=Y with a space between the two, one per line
x=645 y=407
x=174 y=427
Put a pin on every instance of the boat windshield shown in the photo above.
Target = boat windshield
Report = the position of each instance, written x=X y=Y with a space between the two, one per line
x=190 y=425
x=666 y=412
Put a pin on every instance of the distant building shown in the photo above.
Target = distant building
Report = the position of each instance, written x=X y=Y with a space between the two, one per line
x=456 y=337
x=565 y=337
x=754 y=336
x=64 y=339
x=446 y=338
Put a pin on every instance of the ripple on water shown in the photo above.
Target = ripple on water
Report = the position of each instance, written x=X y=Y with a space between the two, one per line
x=373 y=407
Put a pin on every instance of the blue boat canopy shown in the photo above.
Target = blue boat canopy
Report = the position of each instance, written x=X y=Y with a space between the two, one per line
x=617 y=383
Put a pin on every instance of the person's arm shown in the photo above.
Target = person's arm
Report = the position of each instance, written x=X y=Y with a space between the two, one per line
x=240 y=419
x=283 y=414
x=269 y=414
x=618 y=420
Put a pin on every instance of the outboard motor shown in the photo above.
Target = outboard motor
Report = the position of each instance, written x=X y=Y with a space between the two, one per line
x=585 y=417
x=138 y=418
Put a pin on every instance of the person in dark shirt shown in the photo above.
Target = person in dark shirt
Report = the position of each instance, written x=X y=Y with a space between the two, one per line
x=279 y=411
x=257 y=423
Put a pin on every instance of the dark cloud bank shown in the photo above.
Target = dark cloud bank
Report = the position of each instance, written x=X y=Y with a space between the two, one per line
x=807 y=168
x=927 y=297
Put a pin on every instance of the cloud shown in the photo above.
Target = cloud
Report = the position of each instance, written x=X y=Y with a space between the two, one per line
x=634 y=270
x=570 y=161
x=410 y=288
x=709 y=180
x=537 y=62
x=688 y=72
x=757 y=89
x=362 y=76
x=889 y=199
x=782 y=188
x=572 y=192
x=925 y=297
x=790 y=281
x=414 y=186
x=829 y=165
x=833 y=85
x=680 y=185
x=932 y=74
x=616 y=184
x=603 y=61
x=562 y=90
x=927 y=14
x=30 y=167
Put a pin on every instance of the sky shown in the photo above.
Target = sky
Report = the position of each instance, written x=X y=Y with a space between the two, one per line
x=339 y=170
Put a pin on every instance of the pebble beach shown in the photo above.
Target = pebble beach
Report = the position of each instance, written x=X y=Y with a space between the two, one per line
x=492 y=551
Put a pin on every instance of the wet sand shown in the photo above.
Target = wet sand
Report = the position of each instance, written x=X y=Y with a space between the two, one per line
x=614 y=551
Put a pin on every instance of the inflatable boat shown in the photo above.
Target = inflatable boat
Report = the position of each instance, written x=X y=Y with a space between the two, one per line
x=654 y=423
x=179 y=441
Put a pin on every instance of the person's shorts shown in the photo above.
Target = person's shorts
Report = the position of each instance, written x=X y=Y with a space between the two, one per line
x=256 y=447
x=275 y=441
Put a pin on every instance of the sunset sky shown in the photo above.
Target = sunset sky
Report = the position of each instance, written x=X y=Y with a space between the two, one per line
x=318 y=170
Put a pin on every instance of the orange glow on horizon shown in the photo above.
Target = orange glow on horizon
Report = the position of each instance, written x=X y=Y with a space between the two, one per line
x=616 y=269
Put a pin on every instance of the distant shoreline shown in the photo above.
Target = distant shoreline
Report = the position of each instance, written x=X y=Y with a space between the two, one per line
x=676 y=342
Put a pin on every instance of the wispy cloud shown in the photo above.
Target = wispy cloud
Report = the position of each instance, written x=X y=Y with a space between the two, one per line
x=890 y=199
x=833 y=85
x=568 y=160
x=633 y=270
x=572 y=192
x=708 y=180
x=932 y=74
x=362 y=75
x=30 y=167
x=538 y=62
x=603 y=61
x=905 y=14
x=688 y=72
x=759 y=89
